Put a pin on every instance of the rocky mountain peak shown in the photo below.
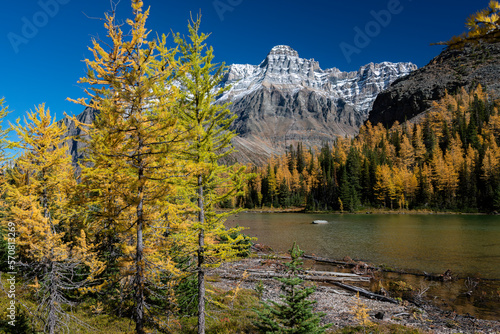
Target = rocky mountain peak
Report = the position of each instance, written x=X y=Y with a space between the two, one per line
x=283 y=50
x=283 y=66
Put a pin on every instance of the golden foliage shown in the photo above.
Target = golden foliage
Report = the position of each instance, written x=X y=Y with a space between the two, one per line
x=39 y=197
x=483 y=25
x=41 y=189
x=360 y=312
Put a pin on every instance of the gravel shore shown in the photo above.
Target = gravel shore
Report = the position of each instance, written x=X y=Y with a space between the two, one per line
x=338 y=304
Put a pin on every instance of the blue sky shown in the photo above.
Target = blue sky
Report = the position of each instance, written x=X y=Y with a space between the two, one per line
x=43 y=42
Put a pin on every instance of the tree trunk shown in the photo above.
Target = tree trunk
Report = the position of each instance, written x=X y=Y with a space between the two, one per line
x=366 y=293
x=139 y=321
x=201 y=259
x=52 y=316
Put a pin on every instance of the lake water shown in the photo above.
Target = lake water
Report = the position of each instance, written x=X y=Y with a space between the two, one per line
x=465 y=244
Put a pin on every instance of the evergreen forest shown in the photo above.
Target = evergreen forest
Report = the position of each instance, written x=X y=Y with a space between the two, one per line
x=446 y=160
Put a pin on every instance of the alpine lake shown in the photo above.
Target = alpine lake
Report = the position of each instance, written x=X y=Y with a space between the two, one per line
x=467 y=245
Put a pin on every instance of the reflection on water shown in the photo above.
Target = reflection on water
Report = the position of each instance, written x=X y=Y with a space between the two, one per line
x=467 y=245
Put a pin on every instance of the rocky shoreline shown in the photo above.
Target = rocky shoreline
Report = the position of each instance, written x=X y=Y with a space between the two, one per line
x=338 y=303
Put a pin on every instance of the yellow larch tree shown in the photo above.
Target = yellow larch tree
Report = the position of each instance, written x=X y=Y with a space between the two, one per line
x=283 y=173
x=485 y=21
x=470 y=158
x=493 y=126
x=295 y=180
x=384 y=187
x=398 y=181
x=406 y=184
x=367 y=135
x=342 y=146
x=455 y=153
x=418 y=144
x=132 y=172
x=482 y=26
x=426 y=186
x=491 y=160
x=444 y=174
x=39 y=195
x=379 y=134
x=406 y=153
x=312 y=166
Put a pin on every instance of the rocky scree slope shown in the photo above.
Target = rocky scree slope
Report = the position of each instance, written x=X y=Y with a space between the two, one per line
x=412 y=95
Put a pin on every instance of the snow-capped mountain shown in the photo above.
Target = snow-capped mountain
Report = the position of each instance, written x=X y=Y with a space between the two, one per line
x=286 y=99
x=283 y=66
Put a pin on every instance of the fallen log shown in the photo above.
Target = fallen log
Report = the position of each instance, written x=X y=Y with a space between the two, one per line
x=307 y=272
x=323 y=259
x=341 y=263
x=254 y=278
x=270 y=274
x=330 y=273
x=366 y=293
x=443 y=277
x=334 y=279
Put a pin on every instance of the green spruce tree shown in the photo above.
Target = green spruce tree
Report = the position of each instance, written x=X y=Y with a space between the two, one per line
x=295 y=315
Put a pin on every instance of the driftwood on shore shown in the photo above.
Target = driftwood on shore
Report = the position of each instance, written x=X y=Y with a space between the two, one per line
x=309 y=275
x=447 y=276
x=335 y=278
x=365 y=293
x=325 y=260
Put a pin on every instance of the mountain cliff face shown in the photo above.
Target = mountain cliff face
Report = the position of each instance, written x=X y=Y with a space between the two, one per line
x=287 y=99
x=73 y=133
x=451 y=70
